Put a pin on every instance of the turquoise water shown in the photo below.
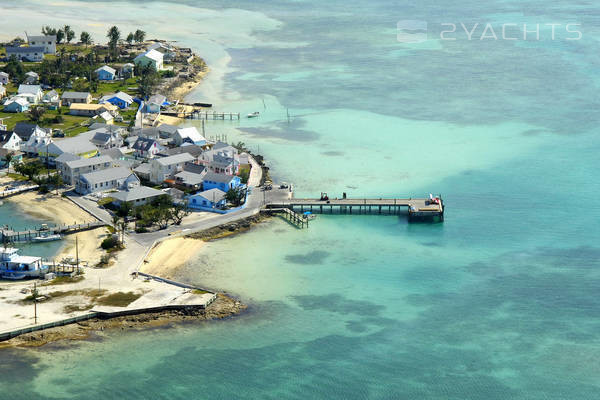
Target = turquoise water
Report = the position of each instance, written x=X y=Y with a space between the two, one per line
x=499 y=302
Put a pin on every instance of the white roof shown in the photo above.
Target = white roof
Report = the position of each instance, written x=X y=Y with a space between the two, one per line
x=107 y=69
x=151 y=54
x=136 y=193
x=85 y=162
x=106 y=116
x=120 y=95
x=214 y=195
x=32 y=89
x=3 y=74
x=176 y=159
x=191 y=133
x=18 y=100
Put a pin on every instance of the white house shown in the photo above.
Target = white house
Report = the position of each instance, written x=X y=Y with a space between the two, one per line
x=32 y=93
x=26 y=53
x=207 y=200
x=106 y=179
x=51 y=97
x=138 y=195
x=162 y=168
x=31 y=78
x=47 y=42
x=10 y=141
x=38 y=142
x=4 y=78
x=189 y=135
x=151 y=58
x=72 y=170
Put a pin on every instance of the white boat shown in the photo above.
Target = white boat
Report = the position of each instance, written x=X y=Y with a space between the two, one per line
x=47 y=238
x=14 y=266
x=254 y=114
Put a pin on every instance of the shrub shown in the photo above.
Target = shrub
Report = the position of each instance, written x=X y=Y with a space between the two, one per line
x=109 y=243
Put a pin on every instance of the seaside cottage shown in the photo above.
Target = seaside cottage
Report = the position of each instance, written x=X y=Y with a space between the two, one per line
x=26 y=53
x=73 y=169
x=90 y=110
x=16 y=105
x=136 y=196
x=51 y=97
x=220 y=181
x=163 y=168
x=48 y=42
x=189 y=135
x=69 y=98
x=189 y=179
x=31 y=78
x=119 y=99
x=4 y=78
x=106 y=179
x=146 y=148
x=9 y=140
x=37 y=142
x=167 y=131
x=154 y=104
x=151 y=58
x=33 y=93
x=207 y=200
x=106 y=73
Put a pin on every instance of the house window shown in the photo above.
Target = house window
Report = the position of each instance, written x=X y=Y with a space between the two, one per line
x=203 y=202
x=193 y=201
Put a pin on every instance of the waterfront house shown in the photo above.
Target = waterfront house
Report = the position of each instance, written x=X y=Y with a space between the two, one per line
x=106 y=179
x=78 y=145
x=14 y=266
x=73 y=169
x=207 y=200
x=4 y=78
x=222 y=158
x=69 y=98
x=136 y=196
x=222 y=182
x=189 y=135
x=119 y=99
x=154 y=104
x=106 y=73
x=146 y=148
x=151 y=58
x=9 y=140
x=16 y=105
x=163 y=168
x=16 y=157
x=31 y=78
x=48 y=42
x=26 y=53
x=90 y=110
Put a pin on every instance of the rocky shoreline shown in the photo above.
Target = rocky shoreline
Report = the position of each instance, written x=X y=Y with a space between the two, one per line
x=230 y=229
x=222 y=308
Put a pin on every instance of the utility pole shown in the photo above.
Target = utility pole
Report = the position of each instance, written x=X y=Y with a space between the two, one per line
x=34 y=303
x=77 y=251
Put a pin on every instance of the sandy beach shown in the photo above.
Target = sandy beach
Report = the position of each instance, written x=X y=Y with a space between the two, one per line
x=167 y=256
x=58 y=210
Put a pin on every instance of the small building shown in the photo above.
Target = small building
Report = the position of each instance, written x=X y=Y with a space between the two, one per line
x=222 y=182
x=143 y=171
x=4 y=78
x=127 y=70
x=154 y=104
x=35 y=139
x=9 y=140
x=106 y=73
x=26 y=53
x=189 y=135
x=207 y=200
x=151 y=58
x=146 y=148
x=31 y=78
x=34 y=93
x=189 y=179
x=119 y=99
x=106 y=179
x=16 y=157
x=147 y=132
x=64 y=158
x=69 y=98
x=26 y=130
x=48 y=42
x=104 y=138
x=73 y=169
x=192 y=149
x=163 y=168
x=51 y=97
x=115 y=153
x=167 y=131
x=90 y=110
x=16 y=105
x=136 y=196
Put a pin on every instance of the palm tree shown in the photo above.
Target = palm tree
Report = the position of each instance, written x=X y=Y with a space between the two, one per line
x=114 y=35
x=139 y=36
x=85 y=38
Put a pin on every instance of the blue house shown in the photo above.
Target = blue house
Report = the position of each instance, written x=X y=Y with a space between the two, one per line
x=209 y=200
x=106 y=73
x=119 y=99
x=17 y=105
x=220 y=181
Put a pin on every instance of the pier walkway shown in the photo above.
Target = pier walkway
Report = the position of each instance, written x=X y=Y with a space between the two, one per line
x=417 y=209
x=21 y=189
x=9 y=235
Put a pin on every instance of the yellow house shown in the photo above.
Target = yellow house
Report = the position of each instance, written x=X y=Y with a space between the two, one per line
x=90 y=110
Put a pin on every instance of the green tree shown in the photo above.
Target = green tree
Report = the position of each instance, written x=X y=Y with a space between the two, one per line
x=148 y=81
x=31 y=169
x=48 y=31
x=69 y=33
x=59 y=35
x=130 y=38
x=139 y=36
x=114 y=35
x=8 y=158
x=85 y=38
x=36 y=113
x=235 y=196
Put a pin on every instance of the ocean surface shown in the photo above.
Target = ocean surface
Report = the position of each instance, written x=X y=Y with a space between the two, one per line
x=499 y=302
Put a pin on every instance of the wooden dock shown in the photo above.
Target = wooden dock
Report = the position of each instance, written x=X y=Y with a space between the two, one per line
x=294 y=218
x=416 y=209
x=22 y=189
x=203 y=115
x=10 y=236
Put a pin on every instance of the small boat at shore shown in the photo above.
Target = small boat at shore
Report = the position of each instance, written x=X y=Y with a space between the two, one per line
x=47 y=238
x=254 y=114
x=14 y=266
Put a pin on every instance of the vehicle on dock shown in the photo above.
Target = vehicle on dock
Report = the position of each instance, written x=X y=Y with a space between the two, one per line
x=284 y=185
x=14 y=266
x=254 y=114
